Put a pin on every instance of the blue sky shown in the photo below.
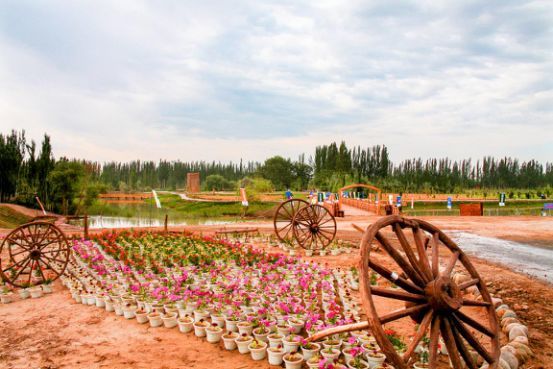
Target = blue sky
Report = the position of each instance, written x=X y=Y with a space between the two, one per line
x=220 y=80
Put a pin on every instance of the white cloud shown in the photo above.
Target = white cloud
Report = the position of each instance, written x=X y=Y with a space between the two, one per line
x=220 y=81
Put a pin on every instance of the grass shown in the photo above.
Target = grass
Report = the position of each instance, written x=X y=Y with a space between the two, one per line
x=10 y=218
x=175 y=207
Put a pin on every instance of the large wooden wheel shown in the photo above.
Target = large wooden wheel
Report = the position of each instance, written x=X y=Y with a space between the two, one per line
x=314 y=227
x=33 y=253
x=421 y=270
x=284 y=217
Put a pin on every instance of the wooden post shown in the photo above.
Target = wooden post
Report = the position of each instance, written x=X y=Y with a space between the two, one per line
x=165 y=226
x=86 y=226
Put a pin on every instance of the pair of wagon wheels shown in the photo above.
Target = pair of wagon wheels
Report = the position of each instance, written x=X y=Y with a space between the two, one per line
x=426 y=293
x=33 y=253
x=312 y=226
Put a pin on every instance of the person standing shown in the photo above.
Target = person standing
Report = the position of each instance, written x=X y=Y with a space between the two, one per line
x=288 y=194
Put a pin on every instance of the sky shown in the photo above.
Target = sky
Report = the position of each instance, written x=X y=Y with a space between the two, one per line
x=224 y=80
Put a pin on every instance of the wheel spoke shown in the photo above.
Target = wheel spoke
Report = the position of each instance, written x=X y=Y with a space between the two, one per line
x=398 y=295
x=408 y=251
x=403 y=264
x=395 y=278
x=467 y=302
x=450 y=344
x=398 y=314
x=469 y=283
x=451 y=263
x=468 y=336
x=423 y=327
x=22 y=268
x=435 y=255
x=467 y=357
x=423 y=258
x=434 y=340
x=474 y=324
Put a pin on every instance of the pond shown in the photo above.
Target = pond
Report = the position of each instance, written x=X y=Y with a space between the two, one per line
x=99 y=221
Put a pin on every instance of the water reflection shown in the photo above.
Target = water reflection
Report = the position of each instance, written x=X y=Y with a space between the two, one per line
x=99 y=221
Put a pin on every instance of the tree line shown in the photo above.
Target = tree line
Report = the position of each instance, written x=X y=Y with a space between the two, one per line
x=69 y=185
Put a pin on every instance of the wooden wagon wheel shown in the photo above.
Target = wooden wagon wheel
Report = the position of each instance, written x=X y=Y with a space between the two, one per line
x=284 y=216
x=431 y=296
x=39 y=247
x=314 y=227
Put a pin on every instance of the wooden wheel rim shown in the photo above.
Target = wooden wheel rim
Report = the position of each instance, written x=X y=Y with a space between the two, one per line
x=440 y=315
x=38 y=246
x=284 y=217
x=314 y=227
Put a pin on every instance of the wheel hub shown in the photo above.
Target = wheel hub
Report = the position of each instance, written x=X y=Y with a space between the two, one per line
x=35 y=254
x=314 y=228
x=444 y=295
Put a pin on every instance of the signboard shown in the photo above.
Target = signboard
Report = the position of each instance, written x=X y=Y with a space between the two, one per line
x=449 y=203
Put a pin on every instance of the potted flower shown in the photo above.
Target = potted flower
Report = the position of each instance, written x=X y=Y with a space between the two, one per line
x=424 y=358
x=356 y=361
x=243 y=341
x=230 y=323
x=6 y=296
x=47 y=285
x=258 y=349
x=334 y=343
x=275 y=355
x=260 y=333
x=169 y=319
x=199 y=328
x=245 y=327
x=229 y=340
x=315 y=361
x=128 y=311
x=292 y=360
x=375 y=357
x=36 y=292
x=330 y=353
x=154 y=318
x=140 y=314
x=291 y=343
x=275 y=339
x=385 y=366
x=219 y=319
x=309 y=349
x=296 y=325
x=214 y=333
x=186 y=324
x=24 y=292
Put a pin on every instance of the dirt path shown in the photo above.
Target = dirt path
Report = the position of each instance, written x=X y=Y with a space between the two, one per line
x=54 y=332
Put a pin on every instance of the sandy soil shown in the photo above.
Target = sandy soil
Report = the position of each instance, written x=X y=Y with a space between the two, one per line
x=54 y=332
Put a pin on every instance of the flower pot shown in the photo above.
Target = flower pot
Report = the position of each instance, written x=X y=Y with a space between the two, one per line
x=283 y=329
x=333 y=344
x=47 y=288
x=296 y=325
x=108 y=304
x=322 y=252
x=258 y=350
x=275 y=339
x=141 y=316
x=219 y=320
x=35 y=292
x=362 y=364
x=6 y=298
x=155 y=320
x=200 y=314
x=117 y=308
x=275 y=355
x=261 y=336
x=99 y=301
x=313 y=350
x=229 y=341
x=186 y=324
x=419 y=365
x=24 y=293
x=375 y=359
x=290 y=345
x=330 y=353
x=169 y=319
x=245 y=327
x=313 y=363
x=213 y=334
x=199 y=328
x=128 y=312
x=230 y=325
x=308 y=252
x=90 y=300
x=292 y=361
x=242 y=343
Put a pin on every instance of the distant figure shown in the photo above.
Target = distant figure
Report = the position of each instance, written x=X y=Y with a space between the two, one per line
x=288 y=194
x=389 y=209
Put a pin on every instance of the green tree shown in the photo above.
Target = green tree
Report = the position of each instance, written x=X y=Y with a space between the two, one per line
x=65 y=179
x=279 y=171
x=217 y=182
